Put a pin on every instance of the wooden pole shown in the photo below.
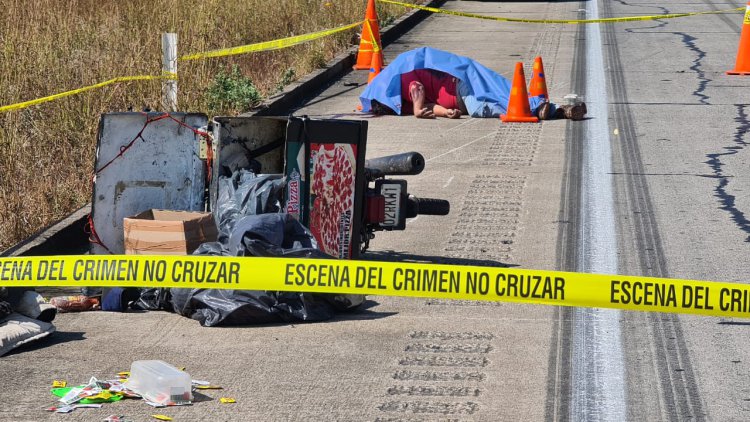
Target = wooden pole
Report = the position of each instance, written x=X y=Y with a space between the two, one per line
x=169 y=65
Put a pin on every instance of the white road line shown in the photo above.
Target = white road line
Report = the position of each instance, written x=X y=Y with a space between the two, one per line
x=598 y=375
x=448 y=182
x=465 y=122
x=457 y=148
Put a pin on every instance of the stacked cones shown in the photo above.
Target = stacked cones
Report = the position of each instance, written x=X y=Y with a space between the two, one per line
x=538 y=84
x=369 y=43
x=376 y=65
x=742 y=67
x=518 y=103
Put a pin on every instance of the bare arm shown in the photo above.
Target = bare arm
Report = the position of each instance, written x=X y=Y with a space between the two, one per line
x=440 y=111
x=425 y=112
x=421 y=109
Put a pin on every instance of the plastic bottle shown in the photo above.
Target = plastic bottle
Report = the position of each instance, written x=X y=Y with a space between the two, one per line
x=75 y=303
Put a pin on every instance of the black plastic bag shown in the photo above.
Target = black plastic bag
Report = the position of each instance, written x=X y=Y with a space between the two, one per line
x=246 y=194
x=241 y=307
x=154 y=300
x=274 y=234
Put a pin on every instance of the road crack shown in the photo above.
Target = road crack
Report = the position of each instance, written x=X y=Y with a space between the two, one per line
x=726 y=199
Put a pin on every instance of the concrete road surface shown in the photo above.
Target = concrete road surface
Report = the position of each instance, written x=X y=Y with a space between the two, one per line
x=656 y=183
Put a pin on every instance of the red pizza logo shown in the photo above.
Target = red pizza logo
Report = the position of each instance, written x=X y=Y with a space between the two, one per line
x=332 y=197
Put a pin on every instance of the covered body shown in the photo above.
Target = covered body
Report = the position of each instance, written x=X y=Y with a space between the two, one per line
x=485 y=92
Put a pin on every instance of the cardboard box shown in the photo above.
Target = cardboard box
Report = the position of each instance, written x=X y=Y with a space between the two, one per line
x=163 y=232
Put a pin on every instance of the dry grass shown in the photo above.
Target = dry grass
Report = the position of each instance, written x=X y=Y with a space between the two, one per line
x=47 y=151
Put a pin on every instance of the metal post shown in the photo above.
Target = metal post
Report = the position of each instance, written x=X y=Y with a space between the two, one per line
x=169 y=66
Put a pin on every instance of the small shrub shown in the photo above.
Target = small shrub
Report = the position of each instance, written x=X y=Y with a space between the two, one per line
x=389 y=19
x=232 y=91
x=288 y=77
x=317 y=60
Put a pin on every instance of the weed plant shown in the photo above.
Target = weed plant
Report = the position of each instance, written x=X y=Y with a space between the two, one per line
x=232 y=91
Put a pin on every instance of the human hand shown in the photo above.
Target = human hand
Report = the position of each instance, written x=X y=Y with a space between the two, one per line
x=424 y=113
x=453 y=113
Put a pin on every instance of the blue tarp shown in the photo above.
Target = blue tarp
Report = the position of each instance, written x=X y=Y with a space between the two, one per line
x=486 y=84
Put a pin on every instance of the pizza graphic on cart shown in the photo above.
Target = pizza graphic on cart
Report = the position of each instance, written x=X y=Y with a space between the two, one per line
x=332 y=168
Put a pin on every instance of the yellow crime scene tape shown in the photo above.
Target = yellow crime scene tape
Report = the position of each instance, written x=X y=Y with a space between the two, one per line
x=120 y=79
x=566 y=21
x=299 y=39
x=375 y=47
x=251 y=48
x=269 y=45
x=382 y=278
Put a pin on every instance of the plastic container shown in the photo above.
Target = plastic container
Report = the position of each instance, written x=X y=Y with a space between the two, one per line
x=74 y=303
x=160 y=382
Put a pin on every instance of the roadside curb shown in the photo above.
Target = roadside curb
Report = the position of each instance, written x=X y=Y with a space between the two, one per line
x=65 y=235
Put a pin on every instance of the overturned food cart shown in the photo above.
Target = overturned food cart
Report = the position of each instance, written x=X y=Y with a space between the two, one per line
x=274 y=186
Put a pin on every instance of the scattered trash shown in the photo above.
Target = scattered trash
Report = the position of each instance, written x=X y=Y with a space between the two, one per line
x=162 y=417
x=98 y=392
x=157 y=383
x=76 y=394
x=118 y=387
x=116 y=418
x=103 y=396
x=91 y=395
x=92 y=406
x=152 y=404
x=71 y=407
x=205 y=385
x=74 y=303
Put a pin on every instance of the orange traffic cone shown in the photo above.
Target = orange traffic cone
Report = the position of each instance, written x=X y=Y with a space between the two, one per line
x=742 y=67
x=518 y=103
x=375 y=68
x=538 y=85
x=377 y=64
x=370 y=36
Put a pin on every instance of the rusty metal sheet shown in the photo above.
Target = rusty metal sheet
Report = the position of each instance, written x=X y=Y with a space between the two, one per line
x=161 y=169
